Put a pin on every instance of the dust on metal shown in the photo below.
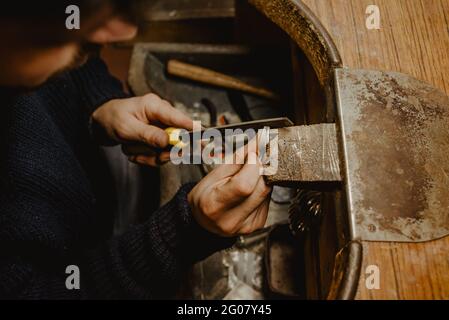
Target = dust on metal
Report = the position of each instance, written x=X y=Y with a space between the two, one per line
x=395 y=143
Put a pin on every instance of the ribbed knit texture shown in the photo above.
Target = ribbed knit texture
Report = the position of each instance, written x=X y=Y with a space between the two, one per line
x=56 y=208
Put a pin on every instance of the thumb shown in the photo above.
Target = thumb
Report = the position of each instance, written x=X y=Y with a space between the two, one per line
x=148 y=134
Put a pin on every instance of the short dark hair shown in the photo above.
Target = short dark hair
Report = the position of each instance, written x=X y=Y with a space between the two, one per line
x=55 y=9
x=50 y=15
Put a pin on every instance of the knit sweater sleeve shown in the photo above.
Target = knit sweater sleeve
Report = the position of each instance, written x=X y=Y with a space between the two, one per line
x=151 y=258
x=96 y=85
x=146 y=262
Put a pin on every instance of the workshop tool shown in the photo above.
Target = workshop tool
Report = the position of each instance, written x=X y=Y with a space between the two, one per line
x=207 y=76
x=307 y=155
x=187 y=93
x=174 y=134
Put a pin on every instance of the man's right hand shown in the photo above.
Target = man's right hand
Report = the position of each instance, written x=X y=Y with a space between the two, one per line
x=233 y=199
x=137 y=119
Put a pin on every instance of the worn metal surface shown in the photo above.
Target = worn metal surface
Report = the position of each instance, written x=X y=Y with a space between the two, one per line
x=346 y=273
x=395 y=142
x=307 y=154
x=296 y=19
x=306 y=30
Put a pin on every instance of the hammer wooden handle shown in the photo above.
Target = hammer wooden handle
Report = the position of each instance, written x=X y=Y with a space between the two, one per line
x=188 y=71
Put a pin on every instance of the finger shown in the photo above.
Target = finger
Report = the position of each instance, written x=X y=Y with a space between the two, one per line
x=261 y=218
x=233 y=163
x=144 y=160
x=132 y=159
x=138 y=149
x=148 y=134
x=241 y=185
x=163 y=111
x=222 y=174
x=252 y=144
x=239 y=156
x=238 y=215
x=164 y=157
x=228 y=190
x=256 y=220
x=222 y=193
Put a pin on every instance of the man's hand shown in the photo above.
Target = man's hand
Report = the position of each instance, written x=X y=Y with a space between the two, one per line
x=232 y=199
x=137 y=119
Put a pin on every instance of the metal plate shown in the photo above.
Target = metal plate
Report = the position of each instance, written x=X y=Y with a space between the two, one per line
x=307 y=157
x=395 y=147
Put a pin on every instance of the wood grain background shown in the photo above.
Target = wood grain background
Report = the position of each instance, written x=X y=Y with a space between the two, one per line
x=413 y=39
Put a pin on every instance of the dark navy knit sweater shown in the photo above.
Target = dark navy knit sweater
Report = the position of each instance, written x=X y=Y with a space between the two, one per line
x=52 y=208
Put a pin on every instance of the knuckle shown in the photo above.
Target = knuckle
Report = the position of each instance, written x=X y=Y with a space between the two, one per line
x=148 y=137
x=246 y=230
x=146 y=161
x=208 y=207
x=166 y=104
x=226 y=228
x=151 y=99
x=243 y=188
x=154 y=138
x=266 y=190
x=121 y=132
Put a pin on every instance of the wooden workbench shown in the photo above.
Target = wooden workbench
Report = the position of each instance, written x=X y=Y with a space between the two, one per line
x=413 y=39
